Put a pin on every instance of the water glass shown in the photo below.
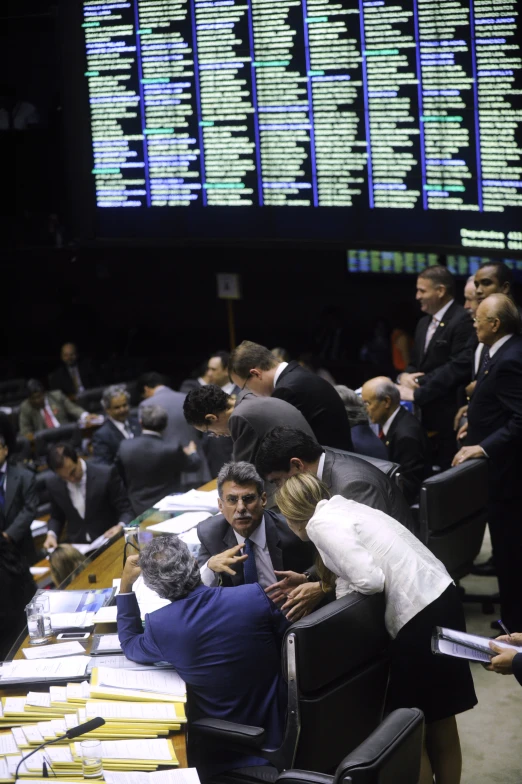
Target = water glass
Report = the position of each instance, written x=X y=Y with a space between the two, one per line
x=42 y=601
x=91 y=751
x=35 y=624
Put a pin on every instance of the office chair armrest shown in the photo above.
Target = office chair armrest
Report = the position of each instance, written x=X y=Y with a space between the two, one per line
x=242 y=734
x=303 y=777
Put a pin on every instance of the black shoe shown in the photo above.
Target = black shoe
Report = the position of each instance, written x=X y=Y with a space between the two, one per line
x=486 y=569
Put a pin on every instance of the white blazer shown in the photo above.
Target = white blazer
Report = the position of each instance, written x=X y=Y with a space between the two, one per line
x=370 y=552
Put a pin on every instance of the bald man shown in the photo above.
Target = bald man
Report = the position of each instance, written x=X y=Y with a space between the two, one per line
x=494 y=432
x=401 y=432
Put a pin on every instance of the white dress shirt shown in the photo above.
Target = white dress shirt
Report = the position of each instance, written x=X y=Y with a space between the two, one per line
x=48 y=409
x=436 y=319
x=229 y=388
x=370 y=552
x=123 y=427
x=320 y=467
x=150 y=433
x=265 y=569
x=77 y=491
x=389 y=421
x=492 y=350
x=279 y=370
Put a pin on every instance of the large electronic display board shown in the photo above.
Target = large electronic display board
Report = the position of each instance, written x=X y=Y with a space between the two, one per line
x=375 y=120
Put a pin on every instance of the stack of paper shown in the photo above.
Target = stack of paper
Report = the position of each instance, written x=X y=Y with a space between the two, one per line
x=179 y=525
x=52 y=651
x=132 y=755
x=43 y=669
x=71 y=620
x=194 y=500
x=152 y=686
x=106 y=615
x=179 y=776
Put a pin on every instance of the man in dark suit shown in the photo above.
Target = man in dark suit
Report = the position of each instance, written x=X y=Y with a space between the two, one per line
x=494 y=432
x=18 y=504
x=74 y=375
x=247 y=421
x=255 y=368
x=117 y=427
x=90 y=498
x=151 y=467
x=226 y=645
x=439 y=359
x=401 y=433
x=247 y=543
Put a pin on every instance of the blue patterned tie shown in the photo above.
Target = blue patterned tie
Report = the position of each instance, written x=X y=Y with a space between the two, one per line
x=249 y=566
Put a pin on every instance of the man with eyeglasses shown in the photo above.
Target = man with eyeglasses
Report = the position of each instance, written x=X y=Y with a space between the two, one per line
x=247 y=543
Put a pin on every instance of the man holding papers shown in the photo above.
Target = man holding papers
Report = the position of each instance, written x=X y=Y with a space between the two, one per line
x=225 y=643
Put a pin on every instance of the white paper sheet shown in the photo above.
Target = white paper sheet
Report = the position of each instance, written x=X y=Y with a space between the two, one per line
x=51 y=651
x=37 y=571
x=475 y=639
x=40 y=699
x=106 y=615
x=8 y=745
x=109 y=642
x=42 y=669
x=148 y=600
x=194 y=500
x=158 y=681
x=177 y=776
x=134 y=749
x=71 y=620
x=122 y=709
x=180 y=524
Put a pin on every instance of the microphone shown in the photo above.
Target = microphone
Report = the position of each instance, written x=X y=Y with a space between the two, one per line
x=74 y=732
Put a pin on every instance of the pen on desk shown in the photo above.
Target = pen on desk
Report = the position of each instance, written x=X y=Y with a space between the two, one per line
x=504 y=628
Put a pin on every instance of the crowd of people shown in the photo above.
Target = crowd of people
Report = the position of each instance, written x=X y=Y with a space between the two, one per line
x=307 y=511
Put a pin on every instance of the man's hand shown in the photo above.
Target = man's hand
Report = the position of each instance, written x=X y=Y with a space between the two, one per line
x=511 y=639
x=406 y=393
x=302 y=600
x=130 y=574
x=503 y=662
x=470 y=388
x=50 y=541
x=408 y=380
x=280 y=590
x=190 y=448
x=463 y=411
x=6 y=536
x=463 y=432
x=467 y=453
x=110 y=532
x=223 y=561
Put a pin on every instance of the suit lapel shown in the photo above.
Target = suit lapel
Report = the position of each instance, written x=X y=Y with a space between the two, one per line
x=394 y=425
x=273 y=543
x=90 y=490
x=329 y=461
x=495 y=358
x=12 y=480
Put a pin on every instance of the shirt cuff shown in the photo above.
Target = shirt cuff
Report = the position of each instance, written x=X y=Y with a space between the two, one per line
x=485 y=453
x=208 y=577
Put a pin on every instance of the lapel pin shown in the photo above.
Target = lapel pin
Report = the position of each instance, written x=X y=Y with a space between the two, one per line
x=441 y=324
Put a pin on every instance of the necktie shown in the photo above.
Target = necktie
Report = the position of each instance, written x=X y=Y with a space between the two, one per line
x=249 y=566
x=381 y=433
x=484 y=361
x=2 y=490
x=434 y=323
x=48 y=418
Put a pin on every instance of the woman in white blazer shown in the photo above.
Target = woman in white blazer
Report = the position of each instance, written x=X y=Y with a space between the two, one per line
x=363 y=549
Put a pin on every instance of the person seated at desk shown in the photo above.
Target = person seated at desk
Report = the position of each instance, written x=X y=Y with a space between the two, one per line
x=63 y=560
x=89 y=497
x=365 y=442
x=247 y=543
x=18 y=504
x=117 y=427
x=224 y=643
x=44 y=410
x=151 y=467
x=74 y=374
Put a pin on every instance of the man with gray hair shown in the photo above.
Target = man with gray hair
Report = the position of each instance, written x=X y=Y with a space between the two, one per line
x=117 y=427
x=248 y=543
x=150 y=466
x=224 y=644
x=400 y=431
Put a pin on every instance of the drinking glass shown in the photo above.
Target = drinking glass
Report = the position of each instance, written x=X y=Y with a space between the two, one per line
x=91 y=759
x=35 y=624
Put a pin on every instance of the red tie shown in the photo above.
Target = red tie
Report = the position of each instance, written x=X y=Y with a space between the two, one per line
x=48 y=419
x=381 y=433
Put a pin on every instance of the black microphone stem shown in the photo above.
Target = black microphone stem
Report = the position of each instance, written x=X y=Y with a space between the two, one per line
x=45 y=743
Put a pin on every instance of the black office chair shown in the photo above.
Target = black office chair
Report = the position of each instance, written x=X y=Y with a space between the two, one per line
x=391 y=755
x=90 y=400
x=337 y=672
x=44 y=499
x=12 y=391
x=44 y=438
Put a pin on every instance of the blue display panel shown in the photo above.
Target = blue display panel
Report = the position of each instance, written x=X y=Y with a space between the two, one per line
x=365 y=105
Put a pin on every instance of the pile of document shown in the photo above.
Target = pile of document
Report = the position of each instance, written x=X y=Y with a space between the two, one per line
x=179 y=524
x=193 y=501
x=173 y=776
x=154 y=685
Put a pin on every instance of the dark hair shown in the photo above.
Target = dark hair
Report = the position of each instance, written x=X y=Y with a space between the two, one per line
x=250 y=355
x=63 y=560
x=223 y=355
x=440 y=276
x=58 y=453
x=281 y=444
x=150 y=380
x=33 y=386
x=503 y=273
x=209 y=399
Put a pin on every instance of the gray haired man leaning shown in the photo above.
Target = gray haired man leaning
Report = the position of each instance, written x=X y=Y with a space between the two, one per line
x=248 y=543
x=150 y=466
x=118 y=425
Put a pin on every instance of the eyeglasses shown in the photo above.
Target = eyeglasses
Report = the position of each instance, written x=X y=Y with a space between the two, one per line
x=233 y=500
x=488 y=318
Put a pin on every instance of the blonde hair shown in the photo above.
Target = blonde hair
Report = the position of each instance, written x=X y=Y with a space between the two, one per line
x=63 y=560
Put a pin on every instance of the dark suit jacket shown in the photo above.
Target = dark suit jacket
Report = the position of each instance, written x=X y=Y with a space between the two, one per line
x=106 y=504
x=106 y=441
x=446 y=365
x=318 y=402
x=226 y=645
x=358 y=480
x=365 y=442
x=407 y=445
x=254 y=417
x=286 y=550
x=517 y=667
x=21 y=505
x=495 y=419
x=151 y=469
x=61 y=378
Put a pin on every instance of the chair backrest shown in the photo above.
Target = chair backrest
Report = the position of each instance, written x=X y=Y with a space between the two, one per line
x=452 y=514
x=44 y=438
x=392 y=470
x=337 y=668
x=44 y=499
x=90 y=400
x=390 y=755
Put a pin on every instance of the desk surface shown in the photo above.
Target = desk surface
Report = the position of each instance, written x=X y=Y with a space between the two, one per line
x=98 y=572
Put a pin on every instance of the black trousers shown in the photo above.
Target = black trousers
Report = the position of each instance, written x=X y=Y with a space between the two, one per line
x=505 y=525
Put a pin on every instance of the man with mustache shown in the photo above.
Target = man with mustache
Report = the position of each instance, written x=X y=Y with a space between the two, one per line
x=247 y=543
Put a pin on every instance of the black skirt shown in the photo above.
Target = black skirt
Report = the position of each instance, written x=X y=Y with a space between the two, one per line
x=439 y=685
